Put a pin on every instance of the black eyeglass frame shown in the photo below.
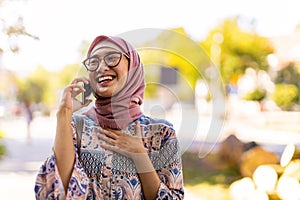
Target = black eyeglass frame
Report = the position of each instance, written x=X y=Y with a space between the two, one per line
x=103 y=58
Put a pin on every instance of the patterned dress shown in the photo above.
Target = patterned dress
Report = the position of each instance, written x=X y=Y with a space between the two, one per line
x=101 y=174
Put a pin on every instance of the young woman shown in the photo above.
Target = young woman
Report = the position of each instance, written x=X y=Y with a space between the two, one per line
x=112 y=151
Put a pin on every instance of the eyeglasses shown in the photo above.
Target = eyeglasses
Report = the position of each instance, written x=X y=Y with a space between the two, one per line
x=112 y=59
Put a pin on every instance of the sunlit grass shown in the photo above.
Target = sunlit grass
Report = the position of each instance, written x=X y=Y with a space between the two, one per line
x=207 y=191
x=208 y=178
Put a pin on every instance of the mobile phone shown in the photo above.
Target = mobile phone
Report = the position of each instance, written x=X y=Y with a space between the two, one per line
x=86 y=93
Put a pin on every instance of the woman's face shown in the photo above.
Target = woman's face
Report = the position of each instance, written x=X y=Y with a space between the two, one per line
x=107 y=81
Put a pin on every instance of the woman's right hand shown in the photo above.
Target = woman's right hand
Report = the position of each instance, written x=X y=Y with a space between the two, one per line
x=70 y=92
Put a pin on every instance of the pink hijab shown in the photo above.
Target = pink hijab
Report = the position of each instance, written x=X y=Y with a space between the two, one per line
x=121 y=109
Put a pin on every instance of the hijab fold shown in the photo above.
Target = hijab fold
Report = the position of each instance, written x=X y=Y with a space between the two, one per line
x=122 y=108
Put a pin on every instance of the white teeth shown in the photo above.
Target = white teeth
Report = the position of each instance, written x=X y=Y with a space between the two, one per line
x=104 y=78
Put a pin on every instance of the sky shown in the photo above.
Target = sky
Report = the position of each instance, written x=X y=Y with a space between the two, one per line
x=62 y=25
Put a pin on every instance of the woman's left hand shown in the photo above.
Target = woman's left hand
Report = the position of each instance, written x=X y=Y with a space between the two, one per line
x=122 y=143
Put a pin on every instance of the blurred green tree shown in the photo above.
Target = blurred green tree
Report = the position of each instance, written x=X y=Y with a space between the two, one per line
x=174 y=48
x=289 y=74
x=33 y=89
x=67 y=73
x=285 y=96
x=288 y=78
x=257 y=94
x=43 y=86
x=234 y=50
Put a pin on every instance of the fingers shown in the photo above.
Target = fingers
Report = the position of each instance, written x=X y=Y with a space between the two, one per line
x=115 y=138
x=80 y=79
x=70 y=93
x=138 y=131
x=124 y=143
x=78 y=88
x=75 y=89
x=110 y=142
x=110 y=133
x=107 y=139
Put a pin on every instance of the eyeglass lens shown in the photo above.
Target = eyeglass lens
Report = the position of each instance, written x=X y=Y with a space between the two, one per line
x=111 y=60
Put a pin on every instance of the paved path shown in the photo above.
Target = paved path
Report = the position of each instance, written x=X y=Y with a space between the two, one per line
x=19 y=167
x=24 y=157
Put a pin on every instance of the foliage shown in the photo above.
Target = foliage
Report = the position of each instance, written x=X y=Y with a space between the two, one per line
x=206 y=180
x=42 y=85
x=256 y=95
x=288 y=87
x=239 y=49
x=173 y=48
x=2 y=150
x=198 y=170
x=34 y=88
x=68 y=73
x=288 y=75
x=285 y=95
x=2 y=147
x=1 y=134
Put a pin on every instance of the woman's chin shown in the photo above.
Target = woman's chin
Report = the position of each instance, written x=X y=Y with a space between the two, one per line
x=104 y=92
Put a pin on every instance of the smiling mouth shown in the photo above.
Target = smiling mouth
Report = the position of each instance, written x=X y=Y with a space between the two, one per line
x=105 y=79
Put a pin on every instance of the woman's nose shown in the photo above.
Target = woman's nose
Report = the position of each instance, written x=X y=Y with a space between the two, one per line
x=102 y=67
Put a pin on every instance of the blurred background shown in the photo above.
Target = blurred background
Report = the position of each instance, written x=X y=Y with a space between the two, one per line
x=225 y=73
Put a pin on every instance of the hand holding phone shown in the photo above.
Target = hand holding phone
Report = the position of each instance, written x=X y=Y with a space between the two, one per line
x=86 y=93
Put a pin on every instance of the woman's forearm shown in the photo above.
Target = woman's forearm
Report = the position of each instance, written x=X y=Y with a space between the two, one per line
x=148 y=176
x=63 y=146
